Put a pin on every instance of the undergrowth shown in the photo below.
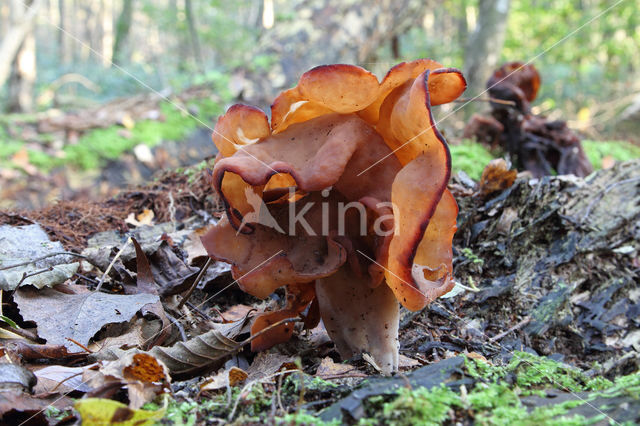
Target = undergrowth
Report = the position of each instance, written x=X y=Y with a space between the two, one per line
x=97 y=146
x=494 y=397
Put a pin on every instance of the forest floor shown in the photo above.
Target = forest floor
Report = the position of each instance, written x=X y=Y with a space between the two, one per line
x=542 y=328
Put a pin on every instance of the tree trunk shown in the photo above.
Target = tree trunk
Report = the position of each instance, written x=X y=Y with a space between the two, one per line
x=193 y=35
x=20 y=26
x=23 y=77
x=123 y=27
x=107 y=32
x=484 y=45
x=63 y=43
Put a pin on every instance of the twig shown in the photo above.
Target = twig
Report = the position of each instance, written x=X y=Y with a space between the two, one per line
x=25 y=275
x=172 y=210
x=117 y=256
x=195 y=283
x=494 y=100
x=23 y=333
x=249 y=385
x=87 y=350
x=521 y=324
x=199 y=311
x=175 y=322
x=65 y=379
x=84 y=277
x=37 y=259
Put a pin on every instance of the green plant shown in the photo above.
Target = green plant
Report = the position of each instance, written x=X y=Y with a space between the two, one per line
x=470 y=157
x=618 y=150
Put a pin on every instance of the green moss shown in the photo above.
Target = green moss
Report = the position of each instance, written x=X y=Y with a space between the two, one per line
x=100 y=145
x=470 y=157
x=107 y=144
x=194 y=171
x=471 y=256
x=303 y=419
x=536 y=372
x=419 y=406
x=618 y=150
x=8 y=147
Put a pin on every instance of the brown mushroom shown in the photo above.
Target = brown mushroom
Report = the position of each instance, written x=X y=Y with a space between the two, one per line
x=345 y=192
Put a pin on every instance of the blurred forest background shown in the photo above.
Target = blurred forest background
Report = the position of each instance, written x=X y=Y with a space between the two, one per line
x=108 y=91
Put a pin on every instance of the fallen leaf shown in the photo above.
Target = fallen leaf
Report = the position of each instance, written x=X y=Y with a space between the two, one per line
x=170 y=272
x=193 y=245
x=405 y=362
x=224 y=378
x=608 y=162
x=476 y=355
x=496 y=176
x=267 y=363
x=22 y=244
x=144 y=376
x=17 y=405
x=77 y=316
x=236 y=312
x=329 y=368
x=62 y=379
x=32 y=351
x=206 y=351
x=142 y=219
x=145 y=283
x=98 y=411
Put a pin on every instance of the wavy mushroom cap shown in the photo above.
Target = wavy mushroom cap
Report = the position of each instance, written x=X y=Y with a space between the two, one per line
x=341 y=138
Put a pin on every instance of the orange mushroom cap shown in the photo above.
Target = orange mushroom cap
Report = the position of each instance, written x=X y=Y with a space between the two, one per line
x=340 y=138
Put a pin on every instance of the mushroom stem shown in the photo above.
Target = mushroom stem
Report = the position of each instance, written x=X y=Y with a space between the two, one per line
x=359 y=318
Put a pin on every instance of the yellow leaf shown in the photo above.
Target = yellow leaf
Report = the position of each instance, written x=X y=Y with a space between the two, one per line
x=584 y=115
x=128 y=122
x=100 y=411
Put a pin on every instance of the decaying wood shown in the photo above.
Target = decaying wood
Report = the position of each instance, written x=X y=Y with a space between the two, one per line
x=562 y=251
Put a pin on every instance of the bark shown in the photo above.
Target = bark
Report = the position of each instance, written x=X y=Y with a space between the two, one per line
x=560 y=251
x=484 y=45
x=63 y=45
x=350 y=31
x=23 y=77
x=19 y=28
x=193 y=35
x=123 y=27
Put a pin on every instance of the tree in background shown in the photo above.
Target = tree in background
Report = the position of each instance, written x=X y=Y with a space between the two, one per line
x=485 y=45
x=17 y=54
x=123 y=27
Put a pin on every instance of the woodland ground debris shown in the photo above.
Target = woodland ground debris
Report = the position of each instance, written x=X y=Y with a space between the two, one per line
x=568 y=261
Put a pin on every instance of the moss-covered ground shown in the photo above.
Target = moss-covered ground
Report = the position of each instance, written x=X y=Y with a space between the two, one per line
x=527 y=390
x=97 y=146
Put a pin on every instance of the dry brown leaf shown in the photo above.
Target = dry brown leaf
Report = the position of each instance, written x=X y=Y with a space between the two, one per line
x=204 y=352
x=144 y=375
x=144 y=218
x=268 y=363
x=224 y=378
x=236 y=312
x=608 y=162
x=329 y=368
x=405 y=362
x=61 y=316
x=62 y=379
x=496 y=176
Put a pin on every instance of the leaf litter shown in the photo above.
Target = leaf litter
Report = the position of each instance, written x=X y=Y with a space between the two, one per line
x=200 y=344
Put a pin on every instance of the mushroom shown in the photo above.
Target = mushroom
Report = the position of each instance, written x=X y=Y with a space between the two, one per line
x=343 y=199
